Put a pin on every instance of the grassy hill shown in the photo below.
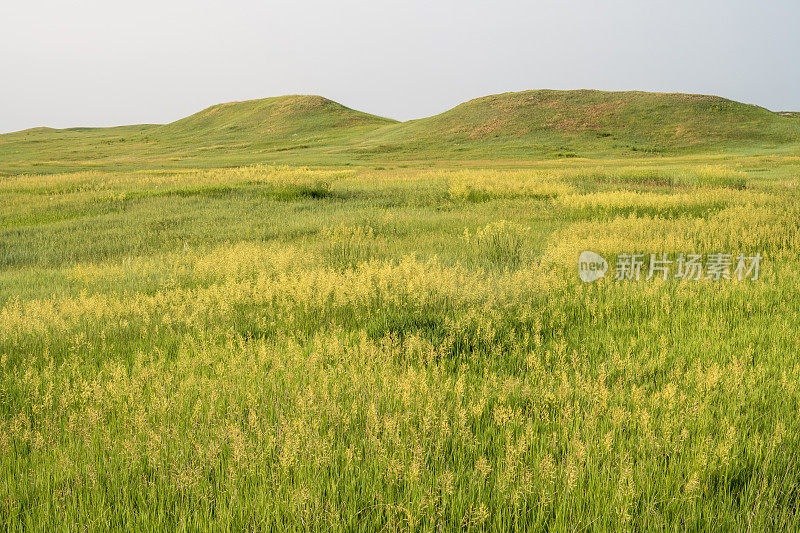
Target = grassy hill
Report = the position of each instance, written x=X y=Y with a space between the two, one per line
x=312 y=129
x=279 y=118
x=235 y=133
x=589 y=122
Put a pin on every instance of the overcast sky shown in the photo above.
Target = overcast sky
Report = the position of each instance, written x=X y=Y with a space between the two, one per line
x=106 y=62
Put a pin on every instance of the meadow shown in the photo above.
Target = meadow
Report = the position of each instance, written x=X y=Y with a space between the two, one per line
x=398 y=347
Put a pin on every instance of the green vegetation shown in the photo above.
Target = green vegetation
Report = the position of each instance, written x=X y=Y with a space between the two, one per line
x=396 y=344
x=311 y=130
x=236 y=133
x=572 y=123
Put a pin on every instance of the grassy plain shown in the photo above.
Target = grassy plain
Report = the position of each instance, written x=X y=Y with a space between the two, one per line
x=390 y=333
x=398 y=347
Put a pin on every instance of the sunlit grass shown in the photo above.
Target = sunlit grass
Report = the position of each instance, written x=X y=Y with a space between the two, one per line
x=315 y=349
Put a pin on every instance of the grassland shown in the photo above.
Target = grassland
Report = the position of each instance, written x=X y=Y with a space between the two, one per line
x=500 y=129
x=395 y=345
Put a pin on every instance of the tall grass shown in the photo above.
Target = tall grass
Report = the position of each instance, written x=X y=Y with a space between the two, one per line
x=250 y=361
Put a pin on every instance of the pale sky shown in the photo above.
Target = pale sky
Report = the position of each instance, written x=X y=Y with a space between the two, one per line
x=105 y=62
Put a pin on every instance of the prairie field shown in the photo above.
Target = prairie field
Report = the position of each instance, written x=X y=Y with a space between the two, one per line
x=399 y=347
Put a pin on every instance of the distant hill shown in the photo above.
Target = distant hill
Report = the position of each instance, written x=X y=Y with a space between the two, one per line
x=278 y=117
x=589 y=120
x=295 y=128
x=312 y=129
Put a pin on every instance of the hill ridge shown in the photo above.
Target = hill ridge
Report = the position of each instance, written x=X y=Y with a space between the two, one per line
x=288 y=114
x=590 y=120
x=514 y=125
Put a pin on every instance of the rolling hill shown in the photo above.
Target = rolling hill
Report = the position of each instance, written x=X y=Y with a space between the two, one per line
x=313 y=129
x=592 y=121
x=227 y=134
x=274 y=118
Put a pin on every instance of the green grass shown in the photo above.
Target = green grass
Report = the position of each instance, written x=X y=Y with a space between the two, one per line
x=588 y=123
x=509 y=127
x=272 y=129
x=388 y=331
x=361 y=349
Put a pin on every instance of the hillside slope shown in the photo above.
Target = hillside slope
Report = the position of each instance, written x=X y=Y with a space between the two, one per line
x=591 y=121
x=312 y=129
x=278 y=117
x=283 y=129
